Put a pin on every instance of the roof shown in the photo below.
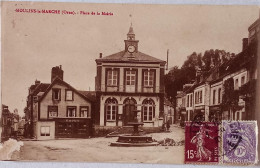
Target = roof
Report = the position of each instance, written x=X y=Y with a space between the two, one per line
x=32 y=87
x=180 y=95
x=124 y=56
x=5 y=108
x=58 y=80
x=42 y=87
x=131 y=30
x=216 y=80
x=217 y=73
x=90 y=94
x=191 y=89
x=253 y=25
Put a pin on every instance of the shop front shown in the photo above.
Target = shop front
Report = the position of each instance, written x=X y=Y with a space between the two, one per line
x=199 y=113
x=73 y=128
x=215 y=113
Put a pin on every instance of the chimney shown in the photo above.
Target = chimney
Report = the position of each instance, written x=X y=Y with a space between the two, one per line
x=37 y=82
x=100 y=55
x=245 y=43
x=56 y=72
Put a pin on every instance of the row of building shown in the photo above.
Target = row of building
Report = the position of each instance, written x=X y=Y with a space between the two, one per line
x=12 y=125
x=126 y=81
x=206 y=97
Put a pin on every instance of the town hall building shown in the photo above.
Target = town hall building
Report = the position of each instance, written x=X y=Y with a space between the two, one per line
x=128 y=81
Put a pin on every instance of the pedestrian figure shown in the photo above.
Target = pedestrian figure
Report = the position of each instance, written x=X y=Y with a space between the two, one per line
x=163 y=127
x=168 y=125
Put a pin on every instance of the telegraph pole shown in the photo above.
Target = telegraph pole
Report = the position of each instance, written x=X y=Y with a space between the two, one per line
x=257 y=110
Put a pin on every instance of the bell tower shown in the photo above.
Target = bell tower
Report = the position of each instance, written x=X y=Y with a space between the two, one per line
x=131 y=45
x=131 y=34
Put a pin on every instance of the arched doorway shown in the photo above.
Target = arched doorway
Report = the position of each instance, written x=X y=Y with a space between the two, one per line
x=128 y=114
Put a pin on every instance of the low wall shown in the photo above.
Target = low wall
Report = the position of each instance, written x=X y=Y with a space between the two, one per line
x=100 y=131
x=148 y=130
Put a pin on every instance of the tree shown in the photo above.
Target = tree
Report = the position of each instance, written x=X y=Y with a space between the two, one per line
x=248 y=94
x=177 y=77
x=230 y=97
x=173 y=82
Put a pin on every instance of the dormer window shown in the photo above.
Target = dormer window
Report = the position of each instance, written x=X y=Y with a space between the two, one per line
x=69 y=96
x=56 y=94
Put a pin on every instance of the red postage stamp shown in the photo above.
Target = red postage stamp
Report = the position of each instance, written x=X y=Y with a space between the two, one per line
x=201 y=142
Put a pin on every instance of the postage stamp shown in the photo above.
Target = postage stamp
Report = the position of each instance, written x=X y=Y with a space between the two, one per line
x=201 y=142
x=239 y=145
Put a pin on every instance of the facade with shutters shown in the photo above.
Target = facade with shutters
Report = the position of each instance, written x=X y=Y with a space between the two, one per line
x=128 y=81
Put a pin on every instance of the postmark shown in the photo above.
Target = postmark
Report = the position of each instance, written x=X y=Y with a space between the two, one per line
x=239 y=144
x=201 y=142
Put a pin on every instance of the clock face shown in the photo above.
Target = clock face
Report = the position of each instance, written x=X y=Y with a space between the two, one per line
x=131 y=48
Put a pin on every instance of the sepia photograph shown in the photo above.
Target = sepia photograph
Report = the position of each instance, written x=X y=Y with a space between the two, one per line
x=129 y=83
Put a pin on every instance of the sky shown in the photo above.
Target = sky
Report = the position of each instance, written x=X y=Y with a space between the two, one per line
x=33 y=43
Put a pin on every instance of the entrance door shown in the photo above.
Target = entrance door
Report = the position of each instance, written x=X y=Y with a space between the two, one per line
x=129 y=106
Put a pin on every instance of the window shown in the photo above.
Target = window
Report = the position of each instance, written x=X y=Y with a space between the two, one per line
x=219 y=95
x=45 y=131
x=188 y=100
x=53 y=111
x=236 y=84
x=242 y=80
x=71 y=111
x=196 y=97
x=148 y=110
x=56 y=94
x=84 y=112
x=69 y=95
x=200 y=96
x=148 y=78
x=214 y=96
x=111 y=109
x=191 y=100
x=112 y=77
x=130 y=77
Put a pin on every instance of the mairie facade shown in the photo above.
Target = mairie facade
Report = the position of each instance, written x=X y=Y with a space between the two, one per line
x=127 y=81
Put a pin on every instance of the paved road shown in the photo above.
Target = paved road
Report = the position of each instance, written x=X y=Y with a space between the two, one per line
x=98 y=150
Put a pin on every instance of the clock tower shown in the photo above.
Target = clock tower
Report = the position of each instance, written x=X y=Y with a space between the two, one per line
x=131 y=45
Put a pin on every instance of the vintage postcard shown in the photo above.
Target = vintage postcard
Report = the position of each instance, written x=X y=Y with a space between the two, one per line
x=130 y=83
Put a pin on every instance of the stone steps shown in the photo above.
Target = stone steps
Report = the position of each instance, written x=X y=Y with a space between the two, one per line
x=121 y=144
